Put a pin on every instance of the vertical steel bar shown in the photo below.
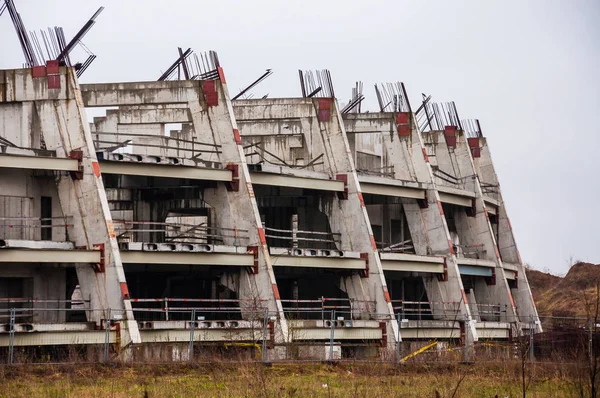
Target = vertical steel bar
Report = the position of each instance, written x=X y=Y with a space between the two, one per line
x=166 y=309
x=11 y=344
x=294 y=230
x=264 y=335
x=531 y=356
x=192 y=330
x=590 y=343
x=107 y=336
x=466 y=339
x=331 y=335
x=398 y=343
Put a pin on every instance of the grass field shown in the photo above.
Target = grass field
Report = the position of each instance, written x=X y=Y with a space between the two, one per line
x=285 y=380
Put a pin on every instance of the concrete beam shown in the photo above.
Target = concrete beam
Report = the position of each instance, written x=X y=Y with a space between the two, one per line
x=475 y=271
x=455 y=199
x=350 y=333
x=59 y=338
x=493 y=330
x=411 y=263
x=216 y=259
x=476 y=262
x=430 y=329
x=282 y=180
x=491 y=201
x=511 y=275
x=511 y=266
x=49 y=256
x=165 y=171
x=391 y=190
x=38 y=163
x=137 y=93
x=183 y=335
x=491 y=209
x=341 y=263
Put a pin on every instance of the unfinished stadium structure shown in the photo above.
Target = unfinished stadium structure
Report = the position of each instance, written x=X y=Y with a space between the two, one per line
x=184 y=219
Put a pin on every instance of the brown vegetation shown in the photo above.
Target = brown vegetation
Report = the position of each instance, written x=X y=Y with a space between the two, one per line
x=563 y=296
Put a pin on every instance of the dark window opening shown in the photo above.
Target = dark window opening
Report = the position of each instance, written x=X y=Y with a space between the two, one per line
x=46 y=217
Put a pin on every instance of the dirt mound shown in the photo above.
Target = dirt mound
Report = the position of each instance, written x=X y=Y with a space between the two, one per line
x=568 y=295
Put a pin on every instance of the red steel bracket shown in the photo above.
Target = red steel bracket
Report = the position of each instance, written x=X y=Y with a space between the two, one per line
x=221 y=74
x=403 y=124
x=52 y=67
x=324 y=110
x=124 y=291
x=77 y=155
x=237 y=136
x=52 y=71
x=101 y=266
x=234 y=185
x=474 y=145
x=254 y=251
x=343 y=177
x=53 y=81
x=209 y=88
x=365 y=273
x=444 y=277
x=450 y=134
x=383 y=327
x=38 y=71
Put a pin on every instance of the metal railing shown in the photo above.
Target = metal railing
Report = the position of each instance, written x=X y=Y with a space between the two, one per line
x=443 y=178
x=168 y=309
x=489 y=312
x=405 y=246
x=36 y=310
x=296 y=236
x=426 y=310
x=384 y=171
x=33 y=228
x=470 y=251
x=567 y=339
x=106 y=141
x=321 y=307
x=163 y=232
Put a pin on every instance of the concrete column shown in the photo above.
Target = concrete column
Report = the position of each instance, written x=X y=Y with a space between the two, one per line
x=352 y=213
x=59 y=119
x=235 y=209
x=428 y=225
x=506 y=241
x=476 y=229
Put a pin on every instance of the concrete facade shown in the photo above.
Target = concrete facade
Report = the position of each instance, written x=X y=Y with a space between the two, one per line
x=284 y=216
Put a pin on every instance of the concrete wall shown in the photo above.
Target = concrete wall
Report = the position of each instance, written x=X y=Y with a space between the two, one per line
x=473 y=225
x=406 y=157
x=507 y=244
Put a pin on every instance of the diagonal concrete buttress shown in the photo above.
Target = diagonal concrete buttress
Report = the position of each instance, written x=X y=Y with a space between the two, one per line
x=60 y=124
x=210 y=111
x=238 y=209
x=353 y=210
x=477 y=227
x=507 y=245
x=427 y=224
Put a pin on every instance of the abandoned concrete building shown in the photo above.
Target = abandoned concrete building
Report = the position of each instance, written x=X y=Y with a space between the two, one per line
x=183 y=209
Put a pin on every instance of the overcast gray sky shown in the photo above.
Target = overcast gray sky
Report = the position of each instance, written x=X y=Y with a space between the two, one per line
x=529 y=70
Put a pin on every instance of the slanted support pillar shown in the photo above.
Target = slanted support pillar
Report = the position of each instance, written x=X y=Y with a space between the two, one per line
x=64 y=128
x=350 y=215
